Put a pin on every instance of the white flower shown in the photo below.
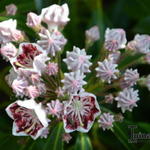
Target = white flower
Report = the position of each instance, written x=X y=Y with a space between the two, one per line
x=29 y=118
x=78 y=60
x=73 y=82
x=80 y=112
x=33 y=20
x=51 y=42
x=11 y=9
x=44 y=133
x=92 y=34
x=30 y=56
x=8 y=50
x=115 y=39
x=106 y=121
x=8 y=31
x=55 y=15
x=107 y=71
x=127 y=99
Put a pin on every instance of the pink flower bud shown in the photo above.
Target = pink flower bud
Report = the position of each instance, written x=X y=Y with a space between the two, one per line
x=55 y=15
x=8 y=50
x=32 y=91
x=33 y=20
x=8 y=31
x=52 y=69
x=11 y=9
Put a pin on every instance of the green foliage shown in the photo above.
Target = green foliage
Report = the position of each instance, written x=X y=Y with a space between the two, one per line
x=134 y=16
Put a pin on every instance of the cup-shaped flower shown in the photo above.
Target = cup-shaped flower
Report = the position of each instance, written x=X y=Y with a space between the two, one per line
x=52 y=42
x=78 y=60
x=11 y=9
x=29 y=118
x=115 y=39
x=30 y=56
x=80 y=112
x=55 y=15
x=8 y=31
x=127 y=99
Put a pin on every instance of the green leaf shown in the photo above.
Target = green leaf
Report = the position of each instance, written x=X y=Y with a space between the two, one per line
x=120 y=131
x=83 y=143
x=129 y=60
x=54 y=141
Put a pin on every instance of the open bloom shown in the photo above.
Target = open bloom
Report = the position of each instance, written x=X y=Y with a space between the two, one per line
x=107 y=70
x=127 y=99
x=51 y=42
x=8 y=50
x=92 y=34
x=11 y=9
x=8 y=31
x=33 y=20
x=29 y=118
x=78 y=60
x=106 y=121
x=30 y=56
x=115 y=39
x=130 y=78
x=80 y=112
x=73 y=82
x=55 y=15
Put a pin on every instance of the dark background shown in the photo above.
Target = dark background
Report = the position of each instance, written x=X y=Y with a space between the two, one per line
x=131 y=15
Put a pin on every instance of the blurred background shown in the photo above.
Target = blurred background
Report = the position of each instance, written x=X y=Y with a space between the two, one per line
x=131 y=15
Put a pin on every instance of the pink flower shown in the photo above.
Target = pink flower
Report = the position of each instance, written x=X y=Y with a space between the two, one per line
x=8 y=50
x=19 y=85
x=32 y=91
x=29 y=118
x=66 y=137
x=59 y=91
x=80 y=112
x=92 y=34
x=55 y=108
x=52 y=68
x=106 y=121
x=11 y=9
x=33 y=20
x=115 y=39
x=55 y=15
x=8 y=31
x=52 y=42
x=107 y=70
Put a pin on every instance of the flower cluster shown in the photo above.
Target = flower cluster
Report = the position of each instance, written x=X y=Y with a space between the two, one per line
x=45 y=94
